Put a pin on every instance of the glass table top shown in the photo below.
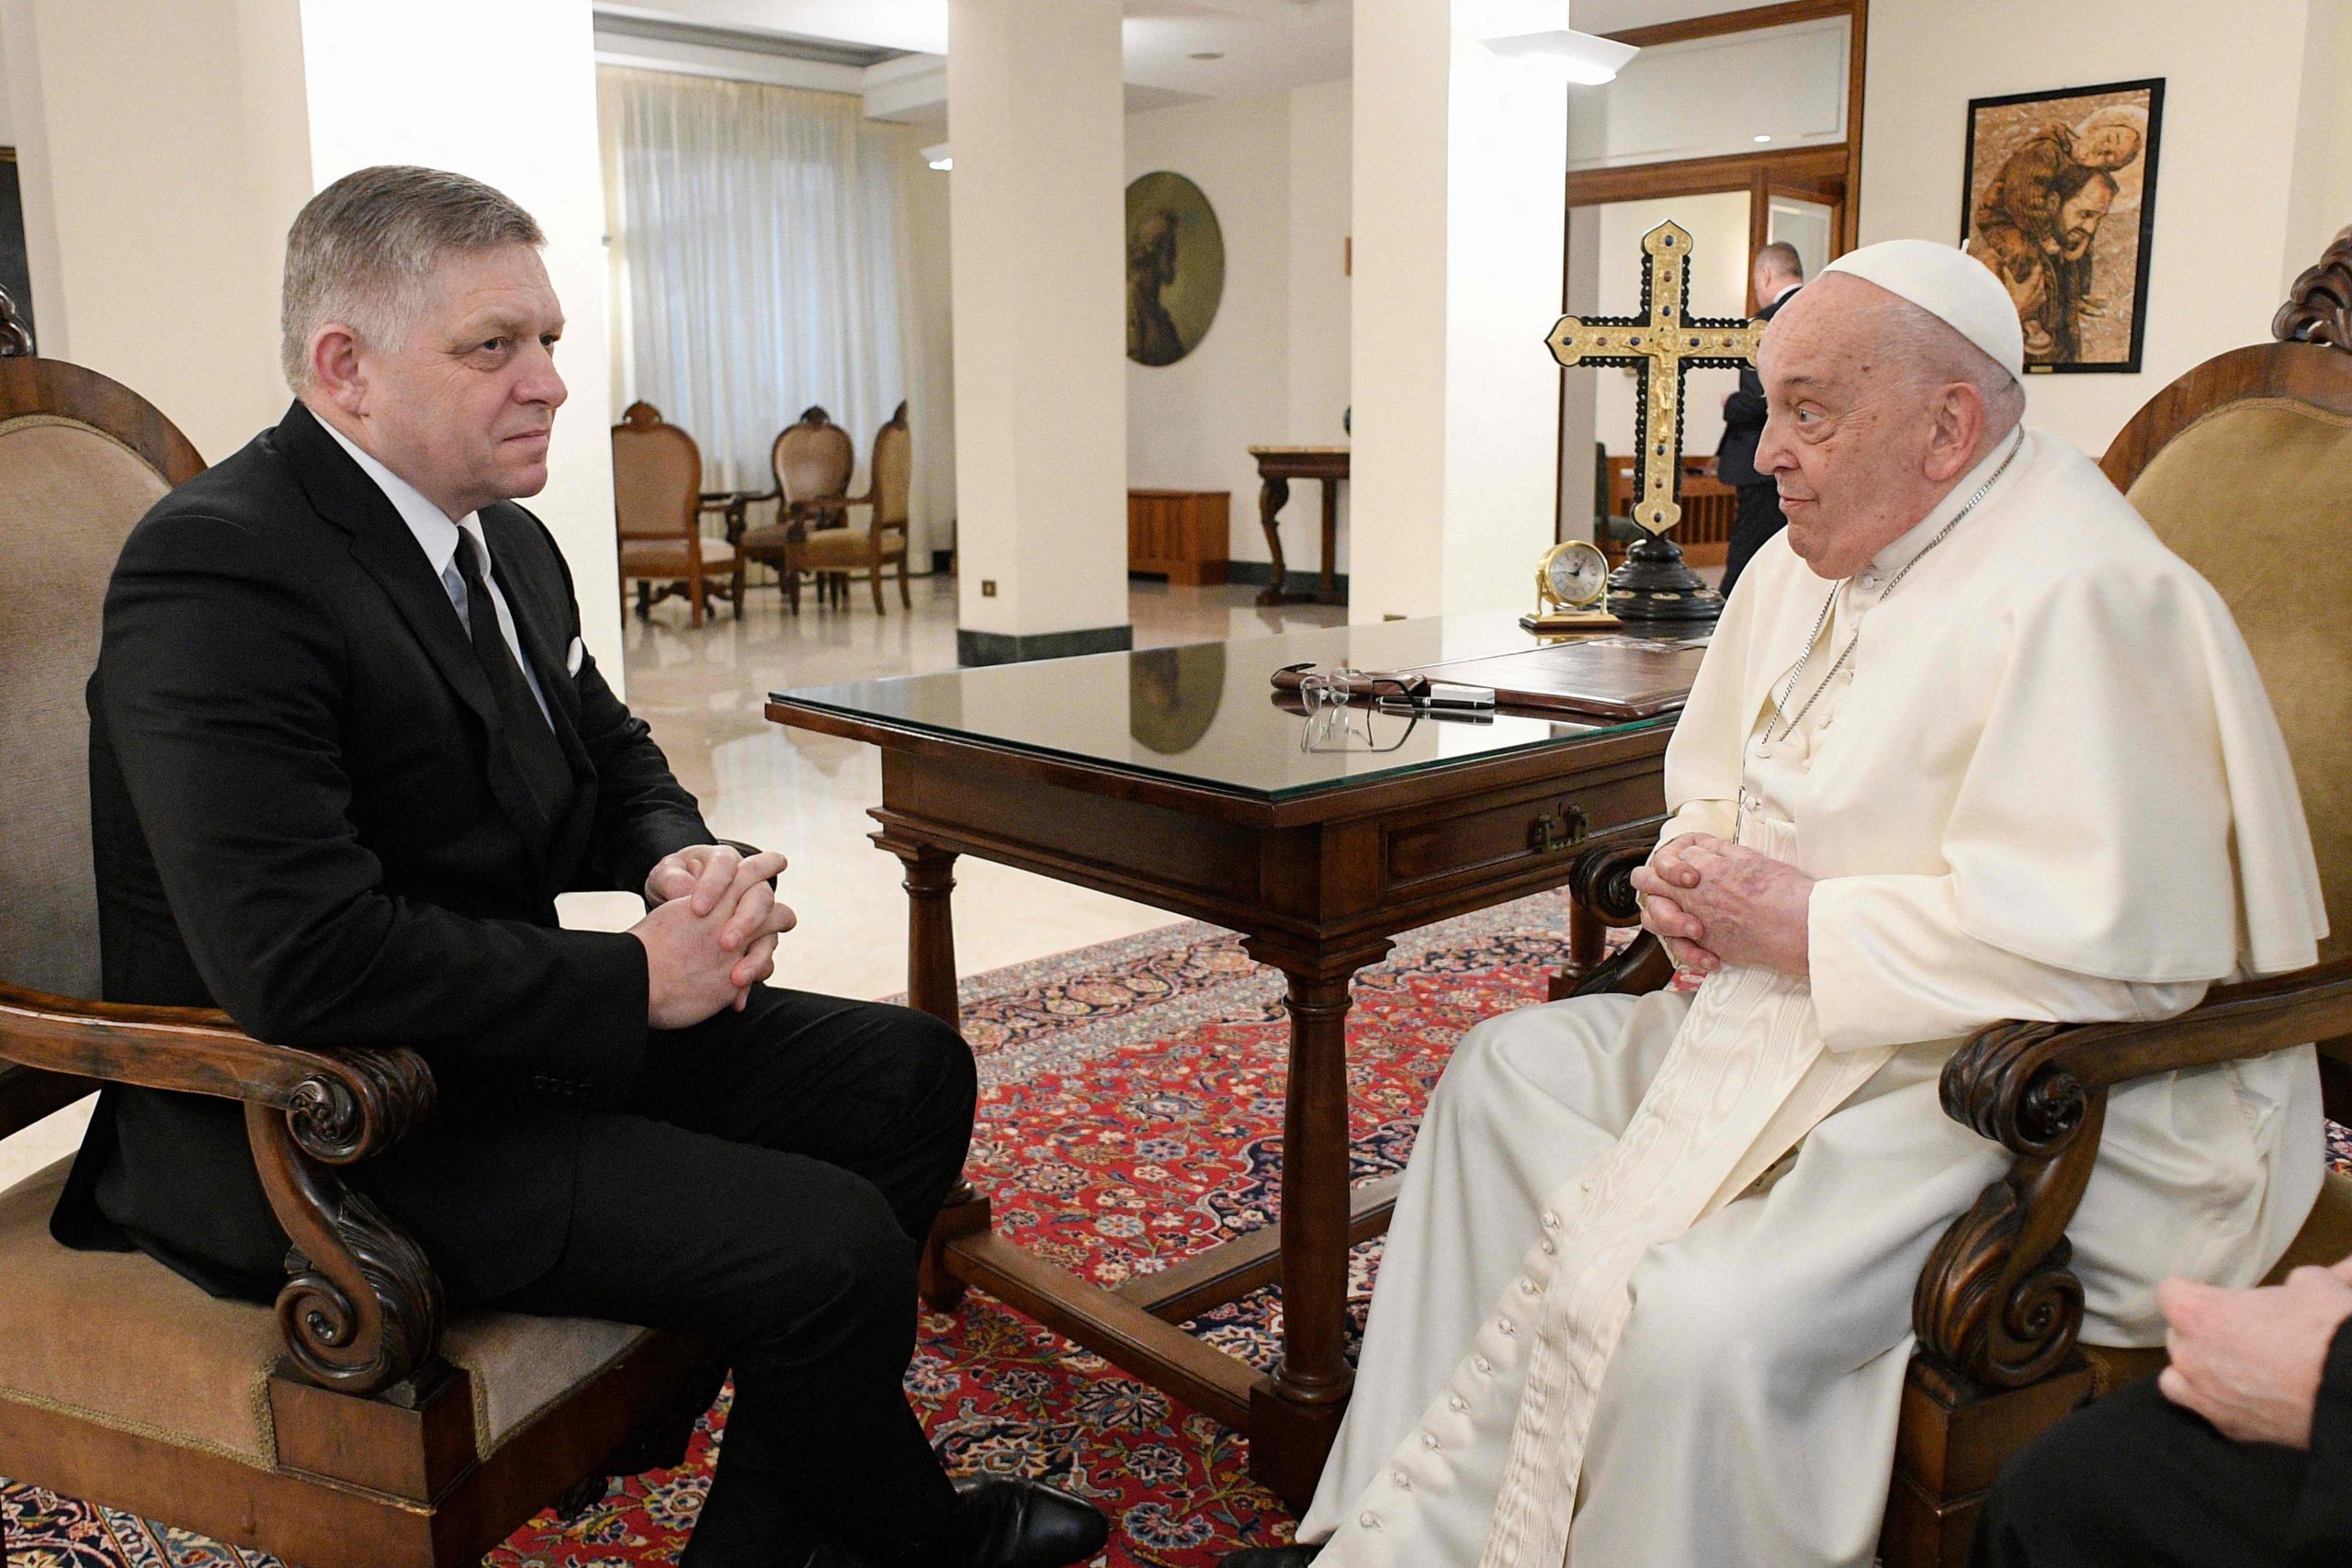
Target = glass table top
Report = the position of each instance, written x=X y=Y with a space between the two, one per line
x=1207 y=716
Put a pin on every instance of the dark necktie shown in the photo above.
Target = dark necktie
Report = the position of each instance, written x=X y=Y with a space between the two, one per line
x=529 y=739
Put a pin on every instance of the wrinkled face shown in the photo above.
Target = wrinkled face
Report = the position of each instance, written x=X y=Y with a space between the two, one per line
x=2078 y=218
x=463 y=409
x=1849 y=429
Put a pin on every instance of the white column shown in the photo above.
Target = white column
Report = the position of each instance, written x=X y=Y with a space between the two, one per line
x=1036 y=121
x=1459 y=161
x=167 y=144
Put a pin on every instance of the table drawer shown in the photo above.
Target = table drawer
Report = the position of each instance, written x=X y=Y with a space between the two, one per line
x=1524 y=829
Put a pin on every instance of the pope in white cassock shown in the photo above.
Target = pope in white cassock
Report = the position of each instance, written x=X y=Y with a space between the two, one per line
x=1968 y=744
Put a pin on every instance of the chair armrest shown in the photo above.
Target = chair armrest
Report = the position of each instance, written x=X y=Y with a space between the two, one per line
x=339 y=1106
x=1997 y=1305
x=361 y=1308
x=1601 y=885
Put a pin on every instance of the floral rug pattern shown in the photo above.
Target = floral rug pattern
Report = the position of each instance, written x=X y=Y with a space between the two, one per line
x=1131 y=1114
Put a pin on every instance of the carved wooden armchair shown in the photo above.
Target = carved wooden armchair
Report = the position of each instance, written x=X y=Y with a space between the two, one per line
x=657 y=501
x=813 y=459
x=842 y=551
x=355 y=1425
x=2243 y=466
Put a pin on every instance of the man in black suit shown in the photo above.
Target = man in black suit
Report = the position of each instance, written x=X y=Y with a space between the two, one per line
x=1777 y=274
x=2237 y=1455
x=346 y=749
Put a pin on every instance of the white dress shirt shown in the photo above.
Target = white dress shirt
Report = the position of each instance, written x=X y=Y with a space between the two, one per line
x=437 y=537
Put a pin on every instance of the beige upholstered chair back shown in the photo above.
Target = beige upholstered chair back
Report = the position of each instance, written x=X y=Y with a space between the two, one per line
x=81 y=461
x=2244 y=468
x=813 y=458
x=657 y=476
x=894 y=468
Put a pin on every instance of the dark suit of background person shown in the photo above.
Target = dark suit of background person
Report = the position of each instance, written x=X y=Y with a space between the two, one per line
x=2136 y=1481
x=308 y=809
x=1760 y=499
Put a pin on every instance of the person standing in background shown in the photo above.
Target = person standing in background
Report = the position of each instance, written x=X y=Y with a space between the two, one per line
x=1777 y=273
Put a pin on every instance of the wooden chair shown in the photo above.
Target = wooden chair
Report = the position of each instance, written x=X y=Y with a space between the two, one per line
x=1709 y=509
x=353 y=1425
x=657 y=500
x=2243 y=466
x=837 y=552
x=813 y=458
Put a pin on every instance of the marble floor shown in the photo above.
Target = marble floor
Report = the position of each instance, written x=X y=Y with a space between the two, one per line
x=703 y=690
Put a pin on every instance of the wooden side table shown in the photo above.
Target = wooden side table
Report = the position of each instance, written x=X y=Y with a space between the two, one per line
x=1277 y=465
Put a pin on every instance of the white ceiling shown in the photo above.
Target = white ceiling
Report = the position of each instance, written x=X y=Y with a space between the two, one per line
x=1267 y=45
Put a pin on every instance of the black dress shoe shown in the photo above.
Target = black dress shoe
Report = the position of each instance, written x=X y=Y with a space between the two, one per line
x=1271 y=1557
x=1027 y=1524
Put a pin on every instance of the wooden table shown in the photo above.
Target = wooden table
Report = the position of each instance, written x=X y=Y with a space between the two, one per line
x=1317 y=859
x=1277 y=465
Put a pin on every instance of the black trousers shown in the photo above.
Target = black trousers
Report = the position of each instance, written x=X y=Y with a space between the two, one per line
x=1760 y=518
x=2134 y=1481
x=770 y=1185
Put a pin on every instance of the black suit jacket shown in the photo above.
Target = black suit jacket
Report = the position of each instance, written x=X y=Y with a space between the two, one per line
x=305 y=812
x=1744 y=419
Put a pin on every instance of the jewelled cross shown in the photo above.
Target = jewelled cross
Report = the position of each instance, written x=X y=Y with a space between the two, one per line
x=1663 y=342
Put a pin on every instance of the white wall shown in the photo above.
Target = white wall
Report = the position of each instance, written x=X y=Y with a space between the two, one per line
x=1035 y=116
x=2235 y=107
x=163 y=148
x=931 y=370
x=1273 y=367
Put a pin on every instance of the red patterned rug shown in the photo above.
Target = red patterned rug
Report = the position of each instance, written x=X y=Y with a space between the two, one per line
x=1131 y=1114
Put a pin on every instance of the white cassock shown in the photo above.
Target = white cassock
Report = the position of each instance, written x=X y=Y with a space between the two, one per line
x=1651 y=1270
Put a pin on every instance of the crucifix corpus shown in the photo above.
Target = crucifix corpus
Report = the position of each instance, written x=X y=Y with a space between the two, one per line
x=1662 y=342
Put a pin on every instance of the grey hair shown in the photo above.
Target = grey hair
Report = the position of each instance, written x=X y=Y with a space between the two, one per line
x=363 y=253
x=1781 y=259
x=1937 y=355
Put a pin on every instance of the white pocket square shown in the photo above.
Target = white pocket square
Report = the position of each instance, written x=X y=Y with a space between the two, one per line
x=574 y=657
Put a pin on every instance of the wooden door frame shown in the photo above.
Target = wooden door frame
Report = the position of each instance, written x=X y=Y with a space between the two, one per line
x=1745 y=171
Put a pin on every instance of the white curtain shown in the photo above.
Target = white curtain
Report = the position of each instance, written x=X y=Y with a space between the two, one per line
x=758 y=245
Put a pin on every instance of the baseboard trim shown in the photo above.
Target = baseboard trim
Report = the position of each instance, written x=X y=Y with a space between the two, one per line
x=1261 y=574
x=1004 y=647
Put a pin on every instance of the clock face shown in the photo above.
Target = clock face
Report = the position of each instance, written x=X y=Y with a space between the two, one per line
x=1575 y=575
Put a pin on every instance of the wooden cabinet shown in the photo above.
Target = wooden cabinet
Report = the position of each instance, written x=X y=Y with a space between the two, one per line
x=1180 y=533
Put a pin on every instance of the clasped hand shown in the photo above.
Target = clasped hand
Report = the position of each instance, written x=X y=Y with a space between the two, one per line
x=709 y=933
x=1714 y=902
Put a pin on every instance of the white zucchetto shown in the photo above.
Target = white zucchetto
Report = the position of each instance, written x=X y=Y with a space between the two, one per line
x=1949 y=284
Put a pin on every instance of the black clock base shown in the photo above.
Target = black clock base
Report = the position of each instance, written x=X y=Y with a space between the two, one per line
x=1656 y=584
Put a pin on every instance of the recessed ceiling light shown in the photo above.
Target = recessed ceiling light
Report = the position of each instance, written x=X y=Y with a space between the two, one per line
x=1210 y=54
x=1763 y=138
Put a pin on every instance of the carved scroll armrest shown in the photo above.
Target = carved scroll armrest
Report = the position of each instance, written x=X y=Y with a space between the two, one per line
x=1997 y=1305
x=1602 y=886
x=362 y=1308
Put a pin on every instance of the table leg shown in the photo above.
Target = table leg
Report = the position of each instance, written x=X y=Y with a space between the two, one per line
x=930 y=988
x=1295 y=1415
x=1271 y=497
x=1330 y=589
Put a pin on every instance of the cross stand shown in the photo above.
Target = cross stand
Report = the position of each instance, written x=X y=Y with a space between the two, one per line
x=1662 y=343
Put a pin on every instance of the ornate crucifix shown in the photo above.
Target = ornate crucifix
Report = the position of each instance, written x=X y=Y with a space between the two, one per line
x=1662 y=342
